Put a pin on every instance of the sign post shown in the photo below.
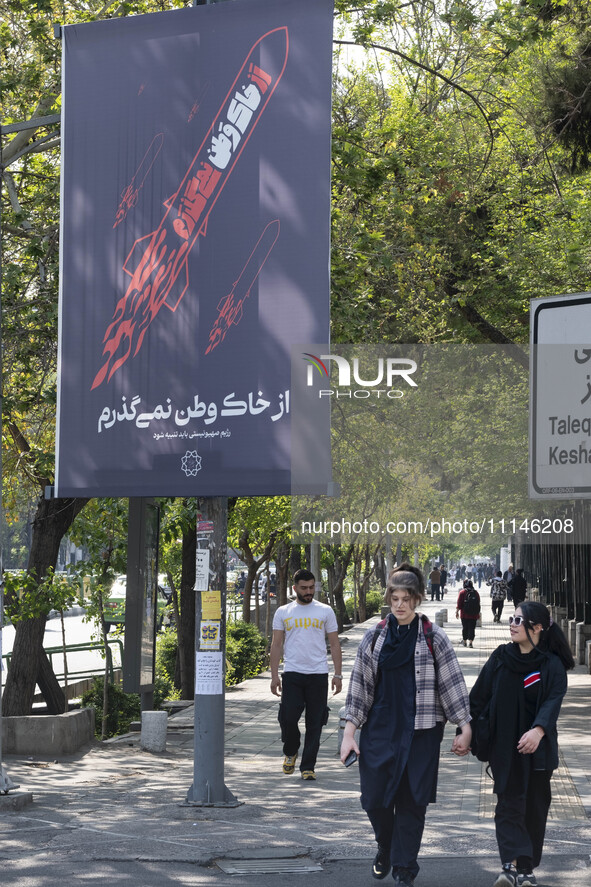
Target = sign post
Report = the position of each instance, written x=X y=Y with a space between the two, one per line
x=560 y=386
x=208 y=788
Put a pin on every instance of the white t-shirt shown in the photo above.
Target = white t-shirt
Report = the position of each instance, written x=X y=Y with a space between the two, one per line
x=305 y=627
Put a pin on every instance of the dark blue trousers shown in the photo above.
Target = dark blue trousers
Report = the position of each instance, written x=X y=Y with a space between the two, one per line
x=399 y=829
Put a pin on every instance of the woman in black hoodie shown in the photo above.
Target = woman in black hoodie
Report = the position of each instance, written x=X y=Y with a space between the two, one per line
x=523 y=683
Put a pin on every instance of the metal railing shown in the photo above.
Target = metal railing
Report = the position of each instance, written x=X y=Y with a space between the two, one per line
x=79 y=648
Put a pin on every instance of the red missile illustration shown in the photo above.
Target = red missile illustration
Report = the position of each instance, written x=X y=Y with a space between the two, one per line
x=129 y=195
x=230 y=307
x=157 y=263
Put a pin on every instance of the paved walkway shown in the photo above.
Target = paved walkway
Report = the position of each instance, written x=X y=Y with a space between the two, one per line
x=122 y=803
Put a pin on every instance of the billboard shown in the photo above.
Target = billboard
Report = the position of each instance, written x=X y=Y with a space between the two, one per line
x=194 y=245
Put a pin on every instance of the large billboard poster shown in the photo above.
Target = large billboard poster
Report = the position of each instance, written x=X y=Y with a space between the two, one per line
x=195 y=245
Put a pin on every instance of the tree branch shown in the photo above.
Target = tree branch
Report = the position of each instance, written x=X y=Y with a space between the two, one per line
x=441 y=76
x=23 y=447
x=22 y=139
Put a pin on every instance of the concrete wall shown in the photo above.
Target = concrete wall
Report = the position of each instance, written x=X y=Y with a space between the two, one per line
x=48 y=734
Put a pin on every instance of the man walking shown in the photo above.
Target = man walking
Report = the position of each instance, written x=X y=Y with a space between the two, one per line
x=300 y=630
x=435 y=580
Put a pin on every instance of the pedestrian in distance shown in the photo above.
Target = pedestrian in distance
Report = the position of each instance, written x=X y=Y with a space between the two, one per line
x=508 y=576
x=498 y=594
x=435 y=580
x=300 y=631
x=519 y=588
x=468 y=610
x=517 y=698
x=442 y=580
x=405 y=683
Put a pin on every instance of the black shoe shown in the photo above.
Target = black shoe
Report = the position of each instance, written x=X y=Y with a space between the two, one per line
x=526 y=879
x=404 y=878
x=381 y=864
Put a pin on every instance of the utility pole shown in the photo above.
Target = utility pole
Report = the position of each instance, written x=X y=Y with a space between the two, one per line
x=208 y=789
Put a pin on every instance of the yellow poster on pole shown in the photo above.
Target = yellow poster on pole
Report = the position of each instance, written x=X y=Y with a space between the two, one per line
x=211 y=605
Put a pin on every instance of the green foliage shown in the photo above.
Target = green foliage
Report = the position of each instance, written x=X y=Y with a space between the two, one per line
x=166 y=653
x=25 y=598
x=245 y=655
x=123 y=708
x=373 y=604
x=245 y=652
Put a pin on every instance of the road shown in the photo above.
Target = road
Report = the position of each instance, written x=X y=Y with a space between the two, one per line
x=78 y=631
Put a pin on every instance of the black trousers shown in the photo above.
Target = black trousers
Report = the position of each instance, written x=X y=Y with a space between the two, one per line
x=299 y=692
x=468 y=629
x=399 y=829
x=520 y=821
x=497 y=608
x=435 y=590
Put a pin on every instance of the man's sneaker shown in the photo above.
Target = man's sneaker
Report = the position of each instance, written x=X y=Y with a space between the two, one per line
x=508 y=877
x=289 y=762
x=526 y=879
x=404 y=878
x=381 y=864
x=308 y=774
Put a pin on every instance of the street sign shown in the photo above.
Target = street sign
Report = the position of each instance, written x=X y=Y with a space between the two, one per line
x=560 y=398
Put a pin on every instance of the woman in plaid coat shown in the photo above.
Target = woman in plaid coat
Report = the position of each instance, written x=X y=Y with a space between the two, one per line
x=406 y=682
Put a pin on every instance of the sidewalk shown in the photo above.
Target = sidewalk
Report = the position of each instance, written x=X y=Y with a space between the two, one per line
x=119 y=805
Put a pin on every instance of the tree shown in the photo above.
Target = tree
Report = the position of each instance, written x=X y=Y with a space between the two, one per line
x=255 y=526
x=30 y=179
x=179 y=525
x=454 y=201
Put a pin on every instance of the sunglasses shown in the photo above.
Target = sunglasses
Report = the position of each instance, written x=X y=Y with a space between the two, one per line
x=516 y=620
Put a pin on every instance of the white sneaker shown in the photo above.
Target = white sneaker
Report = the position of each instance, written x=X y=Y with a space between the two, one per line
x=508 y=877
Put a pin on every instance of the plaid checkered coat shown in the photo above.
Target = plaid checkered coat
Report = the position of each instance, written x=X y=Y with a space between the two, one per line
x=440 y=695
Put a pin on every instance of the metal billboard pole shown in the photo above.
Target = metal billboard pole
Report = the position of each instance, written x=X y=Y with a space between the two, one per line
x=208 y=788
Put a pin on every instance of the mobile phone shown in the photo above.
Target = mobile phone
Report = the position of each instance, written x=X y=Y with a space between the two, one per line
x=350 y=759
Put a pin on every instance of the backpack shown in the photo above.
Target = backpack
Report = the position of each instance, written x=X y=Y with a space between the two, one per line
x=427 y=631
x=471 y=605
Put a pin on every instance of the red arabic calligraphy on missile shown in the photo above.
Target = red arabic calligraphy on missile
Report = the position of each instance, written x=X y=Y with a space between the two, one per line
x=157 y=263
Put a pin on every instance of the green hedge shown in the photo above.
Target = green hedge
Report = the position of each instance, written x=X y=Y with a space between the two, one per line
x=246 y=656
x=246 y=652
x=123 y=708
x=373 y=603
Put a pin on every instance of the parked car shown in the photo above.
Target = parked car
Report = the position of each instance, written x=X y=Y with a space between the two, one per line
x=115 y=605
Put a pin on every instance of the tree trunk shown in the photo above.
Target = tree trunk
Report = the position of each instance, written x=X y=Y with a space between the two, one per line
x=53 y=518
x=282 y=566
x=186 y=623
x=55 y=698
x=252 y=565
x=336 y=577
x=295 y=559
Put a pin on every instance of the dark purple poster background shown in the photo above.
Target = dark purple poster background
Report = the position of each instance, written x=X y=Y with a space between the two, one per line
x=195 y=245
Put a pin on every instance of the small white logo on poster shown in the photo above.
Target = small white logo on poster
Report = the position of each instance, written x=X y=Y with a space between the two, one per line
x=191 y=463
